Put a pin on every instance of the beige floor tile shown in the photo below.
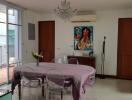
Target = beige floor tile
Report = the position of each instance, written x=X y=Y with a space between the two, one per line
x=103 y=89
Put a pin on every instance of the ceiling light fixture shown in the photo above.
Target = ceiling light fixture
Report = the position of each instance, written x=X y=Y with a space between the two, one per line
x=64 y=10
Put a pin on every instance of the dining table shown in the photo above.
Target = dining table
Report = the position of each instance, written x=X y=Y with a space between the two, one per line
x=82 y=75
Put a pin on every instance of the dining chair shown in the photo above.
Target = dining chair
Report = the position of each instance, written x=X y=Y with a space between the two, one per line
x=31 y=83
x=57 y=86
x=62 y=59
x=57 y=60
x=30 y=86
x=73 y=61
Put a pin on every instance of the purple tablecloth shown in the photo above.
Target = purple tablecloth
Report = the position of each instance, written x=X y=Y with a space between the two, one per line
x=81 y=74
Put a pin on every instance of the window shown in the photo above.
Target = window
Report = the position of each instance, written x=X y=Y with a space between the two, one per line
x=10 y=29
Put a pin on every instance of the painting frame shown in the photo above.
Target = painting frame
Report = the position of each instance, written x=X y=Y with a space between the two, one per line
x=83 y=38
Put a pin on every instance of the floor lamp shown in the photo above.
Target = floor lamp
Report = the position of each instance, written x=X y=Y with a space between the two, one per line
x=103 y=59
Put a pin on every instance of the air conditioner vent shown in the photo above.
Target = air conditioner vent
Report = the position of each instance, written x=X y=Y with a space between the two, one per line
x=83 y=18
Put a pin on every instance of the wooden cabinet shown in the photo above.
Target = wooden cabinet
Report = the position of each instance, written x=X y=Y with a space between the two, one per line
x=84 y=60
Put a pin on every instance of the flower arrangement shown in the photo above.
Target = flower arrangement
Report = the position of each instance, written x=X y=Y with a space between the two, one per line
x=37 y=56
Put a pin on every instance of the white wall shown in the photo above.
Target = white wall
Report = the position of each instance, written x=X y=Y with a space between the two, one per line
x=106 y=25
x=29 y=45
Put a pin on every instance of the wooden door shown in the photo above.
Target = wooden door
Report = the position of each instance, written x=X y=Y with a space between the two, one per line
x=124 y=69
x=47 y=40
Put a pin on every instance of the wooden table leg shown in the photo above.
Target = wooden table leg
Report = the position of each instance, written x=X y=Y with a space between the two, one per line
x=19 y=89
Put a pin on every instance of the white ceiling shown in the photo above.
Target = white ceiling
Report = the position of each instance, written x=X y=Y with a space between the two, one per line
x=82 y=5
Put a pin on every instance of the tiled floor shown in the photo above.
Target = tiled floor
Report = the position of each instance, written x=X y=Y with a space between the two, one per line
x=103 y=89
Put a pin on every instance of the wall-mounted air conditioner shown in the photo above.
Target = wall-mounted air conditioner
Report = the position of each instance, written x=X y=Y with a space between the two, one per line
x=83 y=18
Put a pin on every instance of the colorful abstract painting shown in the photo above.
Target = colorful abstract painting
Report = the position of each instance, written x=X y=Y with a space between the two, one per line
x=83 y=38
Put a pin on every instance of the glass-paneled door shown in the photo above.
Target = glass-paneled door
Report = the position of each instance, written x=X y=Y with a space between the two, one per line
x=10 y=28
x=3 y=44
x=13 y=39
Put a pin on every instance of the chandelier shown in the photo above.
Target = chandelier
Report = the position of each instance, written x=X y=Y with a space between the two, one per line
x=64 y=10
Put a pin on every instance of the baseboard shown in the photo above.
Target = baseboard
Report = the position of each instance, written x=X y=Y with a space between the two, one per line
x=106 y=76
x=111 y=76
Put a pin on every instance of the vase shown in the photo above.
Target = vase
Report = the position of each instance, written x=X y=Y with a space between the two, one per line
x=37 y=62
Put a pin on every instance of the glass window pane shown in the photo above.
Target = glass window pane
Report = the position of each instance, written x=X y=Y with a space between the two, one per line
x=2 y=13
x=12 y=16
x=3 y=53
x=10 y=35
x=13 y=47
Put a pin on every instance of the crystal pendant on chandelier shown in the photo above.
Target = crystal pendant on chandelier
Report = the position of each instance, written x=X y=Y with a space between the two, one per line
x=65 y=11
